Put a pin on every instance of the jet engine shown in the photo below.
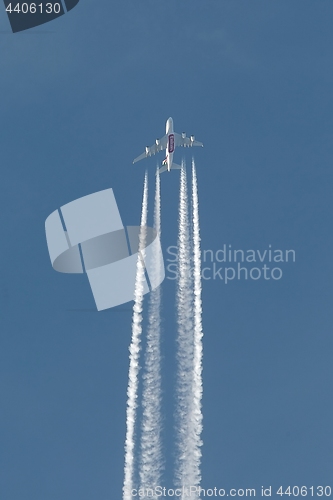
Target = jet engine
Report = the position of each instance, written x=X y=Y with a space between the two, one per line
x=158 y=142
x=183 y=135
x=192 y=138
x=147 y=150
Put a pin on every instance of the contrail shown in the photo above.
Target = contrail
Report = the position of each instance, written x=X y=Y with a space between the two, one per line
x=189 y=355
x=132 y=389
x=185 y=474
x=198 y=333
x=151 y=462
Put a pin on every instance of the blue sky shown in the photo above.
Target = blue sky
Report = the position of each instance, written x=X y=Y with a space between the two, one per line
x=81 y=97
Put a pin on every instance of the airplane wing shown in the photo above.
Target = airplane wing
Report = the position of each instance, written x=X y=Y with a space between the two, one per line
x=186 y=142
x=155 y=148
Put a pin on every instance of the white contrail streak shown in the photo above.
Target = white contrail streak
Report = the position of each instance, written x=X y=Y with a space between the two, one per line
x=185 y=475
x=189 y=389
x=198 y=334
x=151 y=463
x=132 y=389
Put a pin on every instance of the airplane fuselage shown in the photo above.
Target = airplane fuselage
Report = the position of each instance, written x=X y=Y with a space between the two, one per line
x=171 y=143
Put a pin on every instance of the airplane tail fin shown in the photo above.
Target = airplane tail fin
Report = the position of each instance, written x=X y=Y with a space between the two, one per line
x=165 y=167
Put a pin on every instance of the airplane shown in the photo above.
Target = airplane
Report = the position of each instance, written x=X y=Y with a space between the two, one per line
x=169 y=142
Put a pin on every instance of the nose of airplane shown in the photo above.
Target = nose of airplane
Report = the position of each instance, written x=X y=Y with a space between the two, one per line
x=169 y=124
